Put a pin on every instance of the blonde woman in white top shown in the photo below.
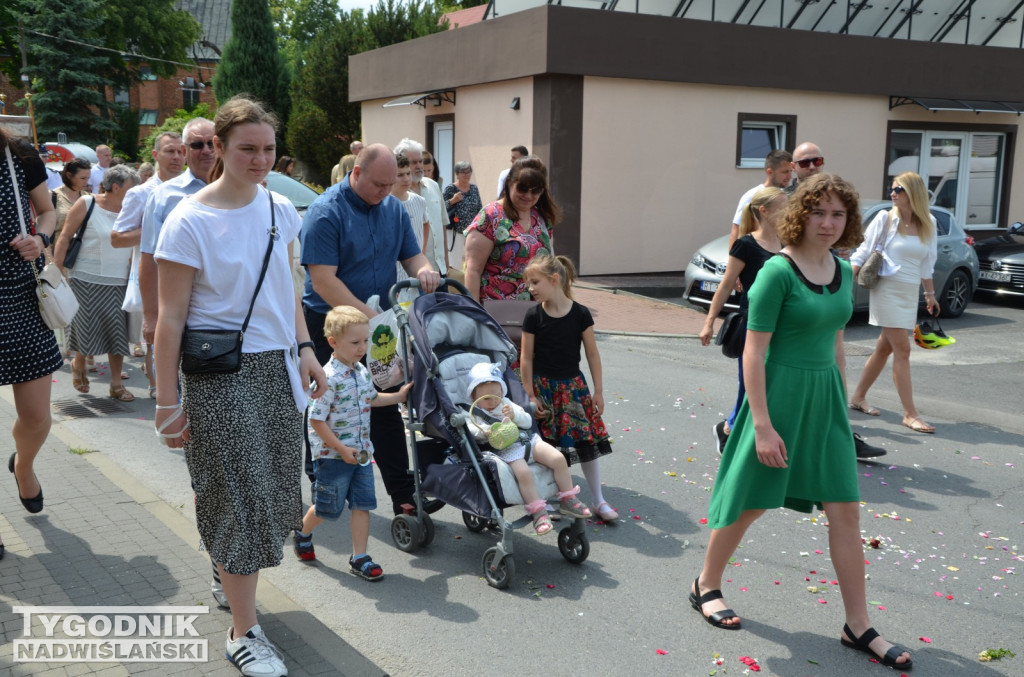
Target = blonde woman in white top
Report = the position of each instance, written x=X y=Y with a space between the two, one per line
x=909 y=252
x=99 y=279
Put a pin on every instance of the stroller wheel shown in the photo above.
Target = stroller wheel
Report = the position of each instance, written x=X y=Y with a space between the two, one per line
x=474 y=523
x=427 y=535
x=498 y=574
x=574 y=549
x=406 y=532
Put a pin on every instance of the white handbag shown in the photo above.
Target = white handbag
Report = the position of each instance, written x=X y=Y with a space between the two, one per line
x=57 y=303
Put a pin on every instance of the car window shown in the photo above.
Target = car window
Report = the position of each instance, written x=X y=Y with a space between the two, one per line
x=942 y=220
x=298 y=193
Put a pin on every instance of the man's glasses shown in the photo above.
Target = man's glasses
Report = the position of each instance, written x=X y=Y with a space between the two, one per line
x=198 y=145
x=896 y=190
x=816 y=161
x=531 y=191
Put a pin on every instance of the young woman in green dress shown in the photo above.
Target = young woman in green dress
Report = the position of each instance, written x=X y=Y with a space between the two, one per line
x=792 y=445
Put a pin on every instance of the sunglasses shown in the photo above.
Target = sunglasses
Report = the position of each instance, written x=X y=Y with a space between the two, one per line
x=531 y=191
x=816 y=161
x=896 y=190
x=198 y=145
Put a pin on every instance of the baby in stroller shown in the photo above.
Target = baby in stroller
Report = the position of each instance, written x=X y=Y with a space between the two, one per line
x=491 y=414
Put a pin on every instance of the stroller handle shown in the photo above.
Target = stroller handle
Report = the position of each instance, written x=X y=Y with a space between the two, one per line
x=413 y=283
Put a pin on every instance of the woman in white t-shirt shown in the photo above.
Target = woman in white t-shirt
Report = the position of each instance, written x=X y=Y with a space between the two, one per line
x=242 y=432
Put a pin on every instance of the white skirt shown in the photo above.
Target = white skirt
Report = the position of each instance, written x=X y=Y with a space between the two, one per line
x=893 y=303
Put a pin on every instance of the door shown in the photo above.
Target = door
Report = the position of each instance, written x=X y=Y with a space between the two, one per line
x=443 y=137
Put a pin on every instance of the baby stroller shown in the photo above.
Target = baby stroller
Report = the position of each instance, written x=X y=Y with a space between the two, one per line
x=445 y=335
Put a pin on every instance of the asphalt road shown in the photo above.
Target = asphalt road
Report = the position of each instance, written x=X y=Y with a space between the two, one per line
x=946 y=509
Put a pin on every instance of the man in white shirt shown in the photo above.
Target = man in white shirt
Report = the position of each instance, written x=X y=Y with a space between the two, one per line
x=778 y=169
x=103 y=156
x=169 y=158
x=517 y=152
x=437 y=215
x=198 y=138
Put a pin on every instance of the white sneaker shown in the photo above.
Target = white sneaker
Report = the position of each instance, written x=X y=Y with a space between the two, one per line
x=254 y=655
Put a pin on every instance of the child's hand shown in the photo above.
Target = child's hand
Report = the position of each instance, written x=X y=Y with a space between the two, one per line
x=348 y=454
x=598 y=399
x=507 y=412
x=403 y=393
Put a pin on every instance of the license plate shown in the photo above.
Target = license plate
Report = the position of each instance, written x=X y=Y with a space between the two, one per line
x=713 y=286
x=994 y=276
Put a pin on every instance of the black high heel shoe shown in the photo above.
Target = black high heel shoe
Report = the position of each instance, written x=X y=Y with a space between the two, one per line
x=33 y=505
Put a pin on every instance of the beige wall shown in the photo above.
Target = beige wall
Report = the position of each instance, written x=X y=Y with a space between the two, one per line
x=659 y=161
x=485 y=127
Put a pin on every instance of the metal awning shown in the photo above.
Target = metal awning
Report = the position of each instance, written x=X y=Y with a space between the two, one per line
x=437 y=97
x=958 y=105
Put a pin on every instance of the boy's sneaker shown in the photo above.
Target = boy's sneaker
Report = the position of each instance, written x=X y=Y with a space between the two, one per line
x=365 y=568
x=217 y=590
x=721 y=437
x=304 y=547
x=254 y=655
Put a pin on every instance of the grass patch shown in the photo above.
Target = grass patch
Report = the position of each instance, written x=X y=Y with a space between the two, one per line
x=80 y=451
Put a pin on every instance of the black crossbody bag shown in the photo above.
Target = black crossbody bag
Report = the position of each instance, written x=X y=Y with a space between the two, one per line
x=75 y=246
x=219 y=351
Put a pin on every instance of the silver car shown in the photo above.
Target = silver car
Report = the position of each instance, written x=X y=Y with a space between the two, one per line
x=956 y=270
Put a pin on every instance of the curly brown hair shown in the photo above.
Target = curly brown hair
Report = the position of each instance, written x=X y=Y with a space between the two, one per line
x=808 y=194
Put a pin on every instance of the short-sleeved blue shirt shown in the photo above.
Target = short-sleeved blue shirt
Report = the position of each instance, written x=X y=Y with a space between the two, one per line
x=363 y=241
x=161 y=201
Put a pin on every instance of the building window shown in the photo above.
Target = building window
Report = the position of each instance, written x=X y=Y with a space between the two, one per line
x=122 y=97
x=963 y=169
x=147 y=117
x=146 y=74
x=190 y=92
x=759 y=134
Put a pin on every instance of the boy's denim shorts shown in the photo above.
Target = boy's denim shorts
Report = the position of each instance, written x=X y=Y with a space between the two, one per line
x=336 y=482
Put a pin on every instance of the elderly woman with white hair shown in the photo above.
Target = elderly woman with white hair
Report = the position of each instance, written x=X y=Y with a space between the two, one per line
x=99 y=279
x=462 y=200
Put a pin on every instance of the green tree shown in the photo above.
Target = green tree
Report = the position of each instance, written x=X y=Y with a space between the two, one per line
x=251 y=62
x=298 y=22
x=68 y=97
x=323 y=120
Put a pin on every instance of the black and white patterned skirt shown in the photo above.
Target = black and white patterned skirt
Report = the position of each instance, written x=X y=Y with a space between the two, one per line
x=28 y=349
x=245 y=458
x=100 y=326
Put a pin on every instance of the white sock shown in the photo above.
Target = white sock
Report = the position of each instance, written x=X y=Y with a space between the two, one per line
x=593 y=475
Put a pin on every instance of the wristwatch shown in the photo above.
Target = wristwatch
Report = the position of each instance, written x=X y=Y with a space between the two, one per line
x=45 y=238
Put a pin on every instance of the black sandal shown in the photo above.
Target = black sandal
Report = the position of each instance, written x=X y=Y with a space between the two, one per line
x=862 y=644
x=716 y=618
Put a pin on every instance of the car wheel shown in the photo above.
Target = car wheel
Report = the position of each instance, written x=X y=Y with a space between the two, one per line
x=956 y=294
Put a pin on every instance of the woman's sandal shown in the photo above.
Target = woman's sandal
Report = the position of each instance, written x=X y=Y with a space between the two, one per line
x=918 y=426
x=862 y=644
x=79 y=380
x=865 y=408
x=121 y=393
x=605 y=512
x=716 y=619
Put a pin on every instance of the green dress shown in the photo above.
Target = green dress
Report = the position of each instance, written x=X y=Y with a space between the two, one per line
x=806 y=400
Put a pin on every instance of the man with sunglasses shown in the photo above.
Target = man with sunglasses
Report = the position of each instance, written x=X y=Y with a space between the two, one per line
x=807 y=161
x=198 y=139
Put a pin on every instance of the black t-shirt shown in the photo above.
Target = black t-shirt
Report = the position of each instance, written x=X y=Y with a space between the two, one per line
x=557 y=340
x=752 y=254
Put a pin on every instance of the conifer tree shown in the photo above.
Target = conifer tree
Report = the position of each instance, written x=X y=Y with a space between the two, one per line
x=251 y=62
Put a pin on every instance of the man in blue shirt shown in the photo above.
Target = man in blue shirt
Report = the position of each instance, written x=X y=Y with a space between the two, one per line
x=352 y=237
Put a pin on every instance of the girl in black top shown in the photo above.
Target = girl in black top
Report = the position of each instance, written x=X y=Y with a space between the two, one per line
x=553 y=331
x=757 y=243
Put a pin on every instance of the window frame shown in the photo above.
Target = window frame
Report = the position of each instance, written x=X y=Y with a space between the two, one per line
x=148 y=111
x=784 y=124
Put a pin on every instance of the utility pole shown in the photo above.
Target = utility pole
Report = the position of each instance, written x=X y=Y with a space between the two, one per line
x=28 y=85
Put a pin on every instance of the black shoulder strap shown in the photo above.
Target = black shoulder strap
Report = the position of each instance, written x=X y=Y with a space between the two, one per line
x=88 y=212
x=266 y=262
x=53 y=198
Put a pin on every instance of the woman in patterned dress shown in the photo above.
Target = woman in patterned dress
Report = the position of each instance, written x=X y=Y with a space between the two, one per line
x=241 y=432
x=28 y=348
x=508 y=233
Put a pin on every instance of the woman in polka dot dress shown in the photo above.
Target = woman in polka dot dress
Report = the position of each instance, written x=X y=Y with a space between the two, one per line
x=28 y=348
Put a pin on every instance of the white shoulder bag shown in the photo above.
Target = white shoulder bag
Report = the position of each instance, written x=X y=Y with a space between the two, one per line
x=57 y=303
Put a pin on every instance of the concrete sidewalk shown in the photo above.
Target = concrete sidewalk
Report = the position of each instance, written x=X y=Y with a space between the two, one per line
x=105 y=540
x=618 y=311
